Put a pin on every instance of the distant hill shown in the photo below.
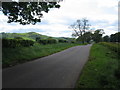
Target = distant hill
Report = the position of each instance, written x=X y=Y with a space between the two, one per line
x=29 y=35
x=32 y=36
x=65 y=38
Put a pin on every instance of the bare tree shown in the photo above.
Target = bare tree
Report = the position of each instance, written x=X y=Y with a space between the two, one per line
x=80 y=27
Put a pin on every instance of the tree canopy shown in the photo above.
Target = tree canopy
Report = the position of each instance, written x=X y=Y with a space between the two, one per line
x=26 y=12
x=106 y=38
x=97 y=36
x=115 y=37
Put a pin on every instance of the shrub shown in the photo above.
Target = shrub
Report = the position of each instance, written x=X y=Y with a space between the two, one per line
x=18 y=38
x=38 y=38
x=62 y=41
x=51 y=41
x=26 y=43
x=47 y=41
x=42 y=41
x=72 y=41
x=12 y=43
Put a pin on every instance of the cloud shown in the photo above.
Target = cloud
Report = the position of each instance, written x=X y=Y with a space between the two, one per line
x=101 y=14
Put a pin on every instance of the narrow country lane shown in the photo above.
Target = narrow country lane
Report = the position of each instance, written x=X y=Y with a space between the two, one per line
x=59 y=70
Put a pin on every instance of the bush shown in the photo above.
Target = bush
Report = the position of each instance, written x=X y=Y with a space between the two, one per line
x=51 y=41
x=26 y=43
x=62 y=41
x=73 y=42
x=12 y=43
x=38 y=38
x=18 y=38
x=47 y=41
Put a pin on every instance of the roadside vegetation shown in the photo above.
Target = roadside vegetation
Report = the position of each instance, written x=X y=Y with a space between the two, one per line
x=102 y=69
x=13 y=56
x=22 y=47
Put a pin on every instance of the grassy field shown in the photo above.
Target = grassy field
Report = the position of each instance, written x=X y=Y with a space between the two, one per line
x=13 y=56
x=27 y=36
x=32 y=36
x=100 y=70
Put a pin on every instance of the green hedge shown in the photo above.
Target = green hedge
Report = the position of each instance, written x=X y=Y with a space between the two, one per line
x=47 y=41
x=12 y=43
x=113 y=46
x=62 y=41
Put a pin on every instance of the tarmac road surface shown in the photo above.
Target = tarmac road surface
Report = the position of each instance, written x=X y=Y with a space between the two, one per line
x=59 y=70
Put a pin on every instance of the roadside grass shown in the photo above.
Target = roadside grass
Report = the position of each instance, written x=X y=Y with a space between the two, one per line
x=13 y=56
x=99 y=71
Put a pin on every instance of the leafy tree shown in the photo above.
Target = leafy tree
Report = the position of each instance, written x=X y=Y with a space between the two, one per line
x=26 y=12
x=80 y=27
x=97 y=36
x=115 y=37
x=106 y=38
x=112 y=38
x=88 y=37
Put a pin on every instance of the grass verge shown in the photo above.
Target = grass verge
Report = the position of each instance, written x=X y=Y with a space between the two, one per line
x=13 y=56
x=99 y=71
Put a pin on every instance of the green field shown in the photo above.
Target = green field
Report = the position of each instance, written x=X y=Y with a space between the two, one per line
x=27 y=36
x=31 y=36
x=101 y=70
x=13 y=56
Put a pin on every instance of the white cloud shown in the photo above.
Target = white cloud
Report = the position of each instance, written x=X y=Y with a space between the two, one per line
x=94 y=10
x=58 y=20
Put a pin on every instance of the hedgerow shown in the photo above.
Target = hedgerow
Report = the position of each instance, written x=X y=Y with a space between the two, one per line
x=12 y=43
x=62 y=41
x=47 y=41
x=116 y=48
x=113 y=46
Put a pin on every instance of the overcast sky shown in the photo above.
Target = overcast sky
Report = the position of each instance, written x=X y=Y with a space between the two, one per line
x=102 y=14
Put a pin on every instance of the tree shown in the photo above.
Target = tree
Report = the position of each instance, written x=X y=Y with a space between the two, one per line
x=26 y=12
x=87 y=37
x=97 y=36
x=115 y=37
x=106 y=38
x=118 y=35
x=38 y=38
x=80 y=27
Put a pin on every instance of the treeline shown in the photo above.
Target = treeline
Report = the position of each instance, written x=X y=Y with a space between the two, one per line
x=97 y=36
x=52 y=41
x=112 y=38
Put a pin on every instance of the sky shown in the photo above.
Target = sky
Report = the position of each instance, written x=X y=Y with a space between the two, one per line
x=102 y=14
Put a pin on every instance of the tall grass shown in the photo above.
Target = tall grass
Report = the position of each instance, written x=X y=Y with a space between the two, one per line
x=99 y=71
x=113 y=46
x=116 y=48
x=13 y=56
